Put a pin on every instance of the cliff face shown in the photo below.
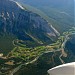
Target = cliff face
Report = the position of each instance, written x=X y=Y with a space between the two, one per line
x=24 y=24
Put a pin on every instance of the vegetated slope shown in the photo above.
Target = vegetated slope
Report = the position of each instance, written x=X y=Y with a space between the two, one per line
x=6 y=44
x=64 y=4
x=52 y=58
x=23 y=24
x=70 y=44
x=61 y=13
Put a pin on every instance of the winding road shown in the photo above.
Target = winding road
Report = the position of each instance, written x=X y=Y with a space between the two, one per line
x=60 y=57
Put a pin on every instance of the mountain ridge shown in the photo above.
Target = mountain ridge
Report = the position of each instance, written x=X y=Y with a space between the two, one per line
x=16 y=20
x=60 y=13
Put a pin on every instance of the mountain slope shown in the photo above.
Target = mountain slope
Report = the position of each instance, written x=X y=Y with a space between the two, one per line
x=70 y=44
x=24 y=24
x=60 y=13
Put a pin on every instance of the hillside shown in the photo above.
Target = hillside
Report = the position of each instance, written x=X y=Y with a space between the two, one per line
x=60 y=13
x=51 y=58
x=25 y=25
